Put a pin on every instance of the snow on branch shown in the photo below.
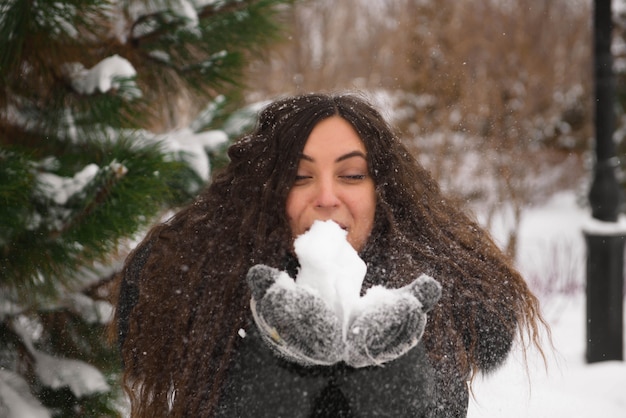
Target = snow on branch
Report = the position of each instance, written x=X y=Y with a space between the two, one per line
x=16 y=400
x=104 y=76
x=91 y=311
x=91 y=186
x=194 y=146
x=57 y=372
x=60 y=189
x=142 y=13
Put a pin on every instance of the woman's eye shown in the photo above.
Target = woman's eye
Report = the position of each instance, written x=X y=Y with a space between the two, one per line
x=301 y=179
x=354 y=177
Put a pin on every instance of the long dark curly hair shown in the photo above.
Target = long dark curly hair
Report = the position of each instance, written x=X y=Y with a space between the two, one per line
x=188 y=275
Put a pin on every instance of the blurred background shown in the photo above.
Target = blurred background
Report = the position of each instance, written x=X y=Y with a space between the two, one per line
x=494 y=97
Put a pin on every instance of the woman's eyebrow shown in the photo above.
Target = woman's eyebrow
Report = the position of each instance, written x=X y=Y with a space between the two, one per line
x=339 y=159
x=351 y=155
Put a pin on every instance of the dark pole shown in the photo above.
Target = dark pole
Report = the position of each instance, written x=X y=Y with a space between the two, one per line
x=605 y=250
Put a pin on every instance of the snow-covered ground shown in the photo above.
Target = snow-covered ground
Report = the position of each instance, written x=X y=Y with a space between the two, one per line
x=552 y=246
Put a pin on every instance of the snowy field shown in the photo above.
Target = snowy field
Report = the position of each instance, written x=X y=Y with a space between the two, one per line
x=552 y=246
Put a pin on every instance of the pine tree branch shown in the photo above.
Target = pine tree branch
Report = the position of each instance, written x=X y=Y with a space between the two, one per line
x=116 y=174
x=60 y=234
x=206 y=12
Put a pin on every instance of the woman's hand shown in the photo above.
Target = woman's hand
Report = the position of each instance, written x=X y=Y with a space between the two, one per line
x=390 y=322
x=302 y=327
x=296 y=322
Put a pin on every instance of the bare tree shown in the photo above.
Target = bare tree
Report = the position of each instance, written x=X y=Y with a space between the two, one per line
x=495 y=91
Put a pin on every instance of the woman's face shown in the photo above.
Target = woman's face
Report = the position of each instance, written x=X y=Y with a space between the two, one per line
x=333 y=183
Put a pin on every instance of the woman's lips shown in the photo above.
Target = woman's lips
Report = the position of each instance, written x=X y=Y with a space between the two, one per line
x=341 y=225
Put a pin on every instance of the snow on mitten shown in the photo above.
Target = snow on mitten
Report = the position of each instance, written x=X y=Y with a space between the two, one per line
x=293 y=320
x=389 y=322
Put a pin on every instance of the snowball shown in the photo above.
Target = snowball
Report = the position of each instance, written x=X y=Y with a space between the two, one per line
x=330 y=266
x=375 y=296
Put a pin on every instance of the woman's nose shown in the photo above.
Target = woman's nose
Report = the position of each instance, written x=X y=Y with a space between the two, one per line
x=326 y=195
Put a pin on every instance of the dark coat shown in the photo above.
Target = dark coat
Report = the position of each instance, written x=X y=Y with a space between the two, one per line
x=261 y=384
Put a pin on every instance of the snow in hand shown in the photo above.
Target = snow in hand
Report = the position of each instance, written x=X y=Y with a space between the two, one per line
x=330 y=267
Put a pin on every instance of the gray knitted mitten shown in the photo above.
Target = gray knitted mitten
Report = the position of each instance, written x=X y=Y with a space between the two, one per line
x=389 y=322
x=294 y=321
x=301 y=327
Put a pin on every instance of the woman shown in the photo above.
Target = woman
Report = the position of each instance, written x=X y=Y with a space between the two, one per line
x=188 y=340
